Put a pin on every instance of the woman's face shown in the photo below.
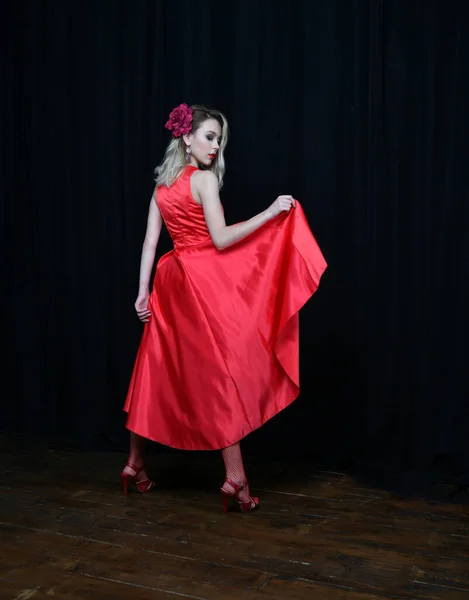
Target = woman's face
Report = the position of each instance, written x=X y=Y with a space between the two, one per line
x=205 y=142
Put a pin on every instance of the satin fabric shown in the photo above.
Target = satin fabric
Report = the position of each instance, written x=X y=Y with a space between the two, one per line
x=219 y=356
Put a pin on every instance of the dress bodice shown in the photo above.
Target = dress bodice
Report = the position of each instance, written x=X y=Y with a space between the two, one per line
x=184 y=218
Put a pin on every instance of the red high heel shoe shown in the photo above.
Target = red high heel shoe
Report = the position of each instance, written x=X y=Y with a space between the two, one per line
x=143 y=485
x=245 y=506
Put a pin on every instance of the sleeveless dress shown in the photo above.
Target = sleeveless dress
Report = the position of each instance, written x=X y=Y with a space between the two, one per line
x=219 y=355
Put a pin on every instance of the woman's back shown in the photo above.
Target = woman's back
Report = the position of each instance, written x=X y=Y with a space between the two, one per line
x=184 y=218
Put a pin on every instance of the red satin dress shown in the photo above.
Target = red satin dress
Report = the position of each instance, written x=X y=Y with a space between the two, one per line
x=219 y=356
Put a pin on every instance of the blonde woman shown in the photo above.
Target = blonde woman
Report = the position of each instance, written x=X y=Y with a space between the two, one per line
x=219 y=351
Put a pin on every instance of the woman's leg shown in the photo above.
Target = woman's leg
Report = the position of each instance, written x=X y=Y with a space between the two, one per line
x=136 y=455
x=235 y=470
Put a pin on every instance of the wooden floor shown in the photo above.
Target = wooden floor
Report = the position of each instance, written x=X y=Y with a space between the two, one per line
x=67 y=532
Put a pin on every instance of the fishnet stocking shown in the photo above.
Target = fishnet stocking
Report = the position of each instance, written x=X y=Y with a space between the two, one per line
x=235 y=470
x=136 y=455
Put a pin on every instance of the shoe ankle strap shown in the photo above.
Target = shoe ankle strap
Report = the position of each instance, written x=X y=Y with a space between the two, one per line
x=238 y=487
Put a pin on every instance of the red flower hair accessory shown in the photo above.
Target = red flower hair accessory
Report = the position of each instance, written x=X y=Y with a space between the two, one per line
x=180 y=120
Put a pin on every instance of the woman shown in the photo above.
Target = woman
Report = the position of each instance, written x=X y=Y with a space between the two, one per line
x=219 y=351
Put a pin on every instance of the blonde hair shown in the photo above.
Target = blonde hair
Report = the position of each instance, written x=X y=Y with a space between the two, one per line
x=174 y=161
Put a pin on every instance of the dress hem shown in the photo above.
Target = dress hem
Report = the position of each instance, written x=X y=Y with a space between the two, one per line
x=215 y=448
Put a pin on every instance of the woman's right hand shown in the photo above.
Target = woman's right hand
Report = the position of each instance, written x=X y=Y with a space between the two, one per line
x=141 y=306
x=281 y=204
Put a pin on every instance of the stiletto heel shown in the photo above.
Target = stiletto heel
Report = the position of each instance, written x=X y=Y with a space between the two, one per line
x=143 y=485
x=125 y=482
x=245 y=505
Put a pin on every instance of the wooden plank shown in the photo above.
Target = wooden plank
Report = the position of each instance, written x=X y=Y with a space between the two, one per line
x=78 y=587
x=298 y=590
x=360 y=538
x=387 y=511
x=129 y=567
x=317 y=509
x=134 y=567
x=365 y=575
x=443 y=579
x=316 y=535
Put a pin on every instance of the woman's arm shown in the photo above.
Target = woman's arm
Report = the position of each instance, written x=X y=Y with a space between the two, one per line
x=152 y=235
x=223 y=235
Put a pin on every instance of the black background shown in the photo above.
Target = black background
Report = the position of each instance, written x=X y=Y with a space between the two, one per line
x=358 y=108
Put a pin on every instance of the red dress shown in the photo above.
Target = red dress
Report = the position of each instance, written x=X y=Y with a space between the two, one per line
x=219 y=356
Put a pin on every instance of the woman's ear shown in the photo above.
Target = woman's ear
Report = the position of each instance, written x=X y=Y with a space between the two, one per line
x=187 y=139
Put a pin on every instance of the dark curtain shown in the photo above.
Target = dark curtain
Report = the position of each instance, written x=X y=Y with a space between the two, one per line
x=358 y=108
